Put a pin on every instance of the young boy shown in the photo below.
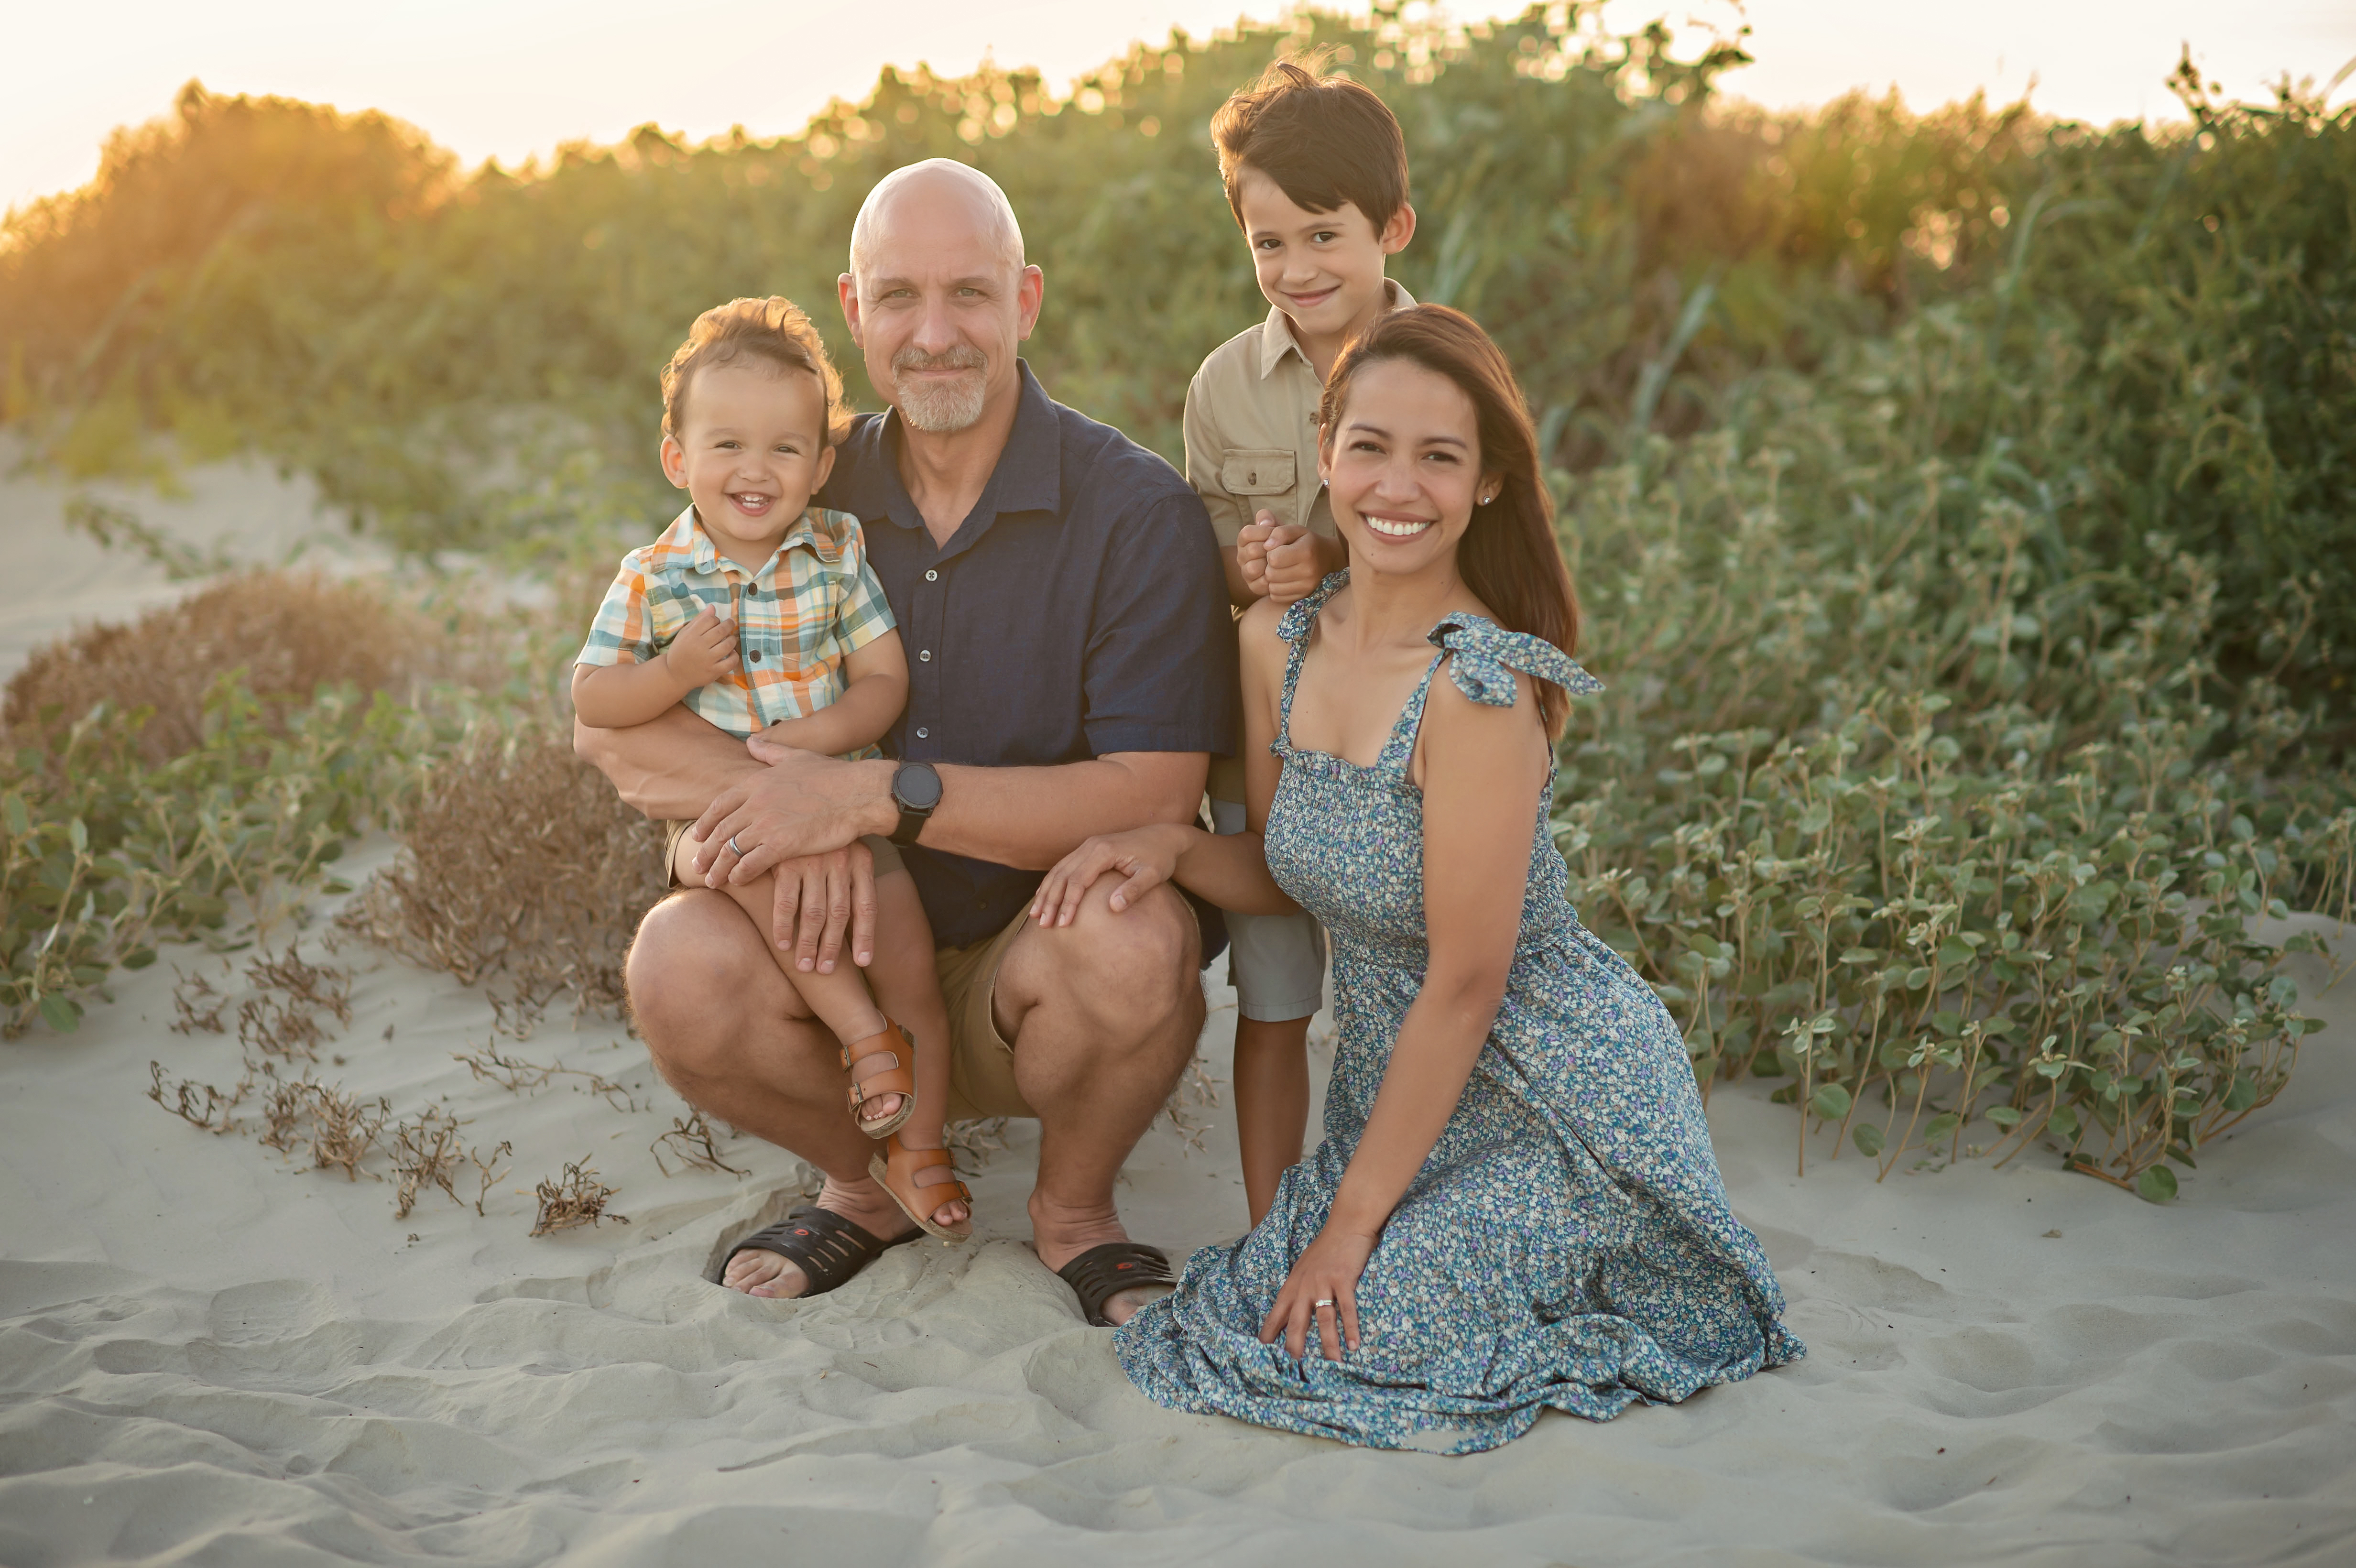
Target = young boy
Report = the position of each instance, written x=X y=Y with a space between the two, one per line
x=758 y=611
x=1315 y=171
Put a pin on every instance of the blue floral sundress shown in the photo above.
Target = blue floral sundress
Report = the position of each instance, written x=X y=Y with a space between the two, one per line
x=1568 y=1243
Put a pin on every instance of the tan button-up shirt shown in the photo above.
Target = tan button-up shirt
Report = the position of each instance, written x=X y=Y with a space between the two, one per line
x=1251 y=428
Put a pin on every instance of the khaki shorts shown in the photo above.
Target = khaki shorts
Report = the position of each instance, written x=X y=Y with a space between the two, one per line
x=981 y=1060
x=886 y=853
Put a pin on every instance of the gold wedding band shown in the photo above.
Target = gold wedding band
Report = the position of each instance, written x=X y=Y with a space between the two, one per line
x=1321 y=1301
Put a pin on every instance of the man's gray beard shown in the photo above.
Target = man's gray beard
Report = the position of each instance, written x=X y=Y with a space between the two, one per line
x=943 y=408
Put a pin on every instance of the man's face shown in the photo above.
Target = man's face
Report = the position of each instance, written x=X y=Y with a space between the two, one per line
x=939 y=308
x=1324 y=270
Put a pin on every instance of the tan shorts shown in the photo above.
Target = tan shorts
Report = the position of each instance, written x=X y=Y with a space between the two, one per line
x=981 y=1060
x=886 y=853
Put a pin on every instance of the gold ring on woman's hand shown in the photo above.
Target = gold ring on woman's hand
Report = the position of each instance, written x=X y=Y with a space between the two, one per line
x=1321 y=1301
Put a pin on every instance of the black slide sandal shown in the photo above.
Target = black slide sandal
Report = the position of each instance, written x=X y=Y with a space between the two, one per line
x=829 y=1249
x=1102 y=1273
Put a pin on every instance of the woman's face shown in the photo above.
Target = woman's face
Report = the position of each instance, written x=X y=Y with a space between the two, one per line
x=1403 y=466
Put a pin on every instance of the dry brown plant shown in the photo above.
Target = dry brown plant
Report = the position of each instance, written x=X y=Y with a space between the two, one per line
x=426 y=1152
x=336 y=1129
x=282 y=1019
x=289 y=631
x=198 y=1104
x=518 y=1076
x=977 y=1140
x=197 y=1005
x=690 y=1141
x=573 y=1199
x=522 y=868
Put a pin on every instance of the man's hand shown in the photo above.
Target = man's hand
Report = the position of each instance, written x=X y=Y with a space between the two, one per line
x=1251 y=553
x=1291 y=569
x=801 y=804
x=705 y=651
x=819 y=899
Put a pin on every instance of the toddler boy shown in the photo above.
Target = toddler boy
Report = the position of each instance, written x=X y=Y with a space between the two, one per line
x=1315 y=171
x=759 y=612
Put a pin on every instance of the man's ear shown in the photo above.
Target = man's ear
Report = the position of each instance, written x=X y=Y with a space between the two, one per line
x=1030 y=293
x=674 y=461
x=1399 y=231
x=846 y=289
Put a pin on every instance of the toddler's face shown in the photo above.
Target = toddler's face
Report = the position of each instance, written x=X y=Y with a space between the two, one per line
x=1324 y=270
x=750 y=452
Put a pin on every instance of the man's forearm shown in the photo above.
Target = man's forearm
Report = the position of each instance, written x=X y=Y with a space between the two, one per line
x=1031 y=817
x=669 y=767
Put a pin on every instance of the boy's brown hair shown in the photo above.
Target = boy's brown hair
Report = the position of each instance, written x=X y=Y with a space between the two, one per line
x=1324 y=140
x=776 y=330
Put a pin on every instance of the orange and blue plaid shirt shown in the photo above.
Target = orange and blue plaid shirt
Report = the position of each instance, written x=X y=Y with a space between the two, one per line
x=814 y=603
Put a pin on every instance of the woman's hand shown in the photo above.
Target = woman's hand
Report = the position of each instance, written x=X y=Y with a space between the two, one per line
x=1328 y=1272
x=1146 y=856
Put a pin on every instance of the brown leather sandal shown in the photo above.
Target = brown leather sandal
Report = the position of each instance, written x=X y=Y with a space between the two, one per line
x=902 y=1170
x=883 y=1070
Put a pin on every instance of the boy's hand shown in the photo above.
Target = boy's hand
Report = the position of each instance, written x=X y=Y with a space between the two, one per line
x=1289 y=571
x=1251 y=553
x=705 y=651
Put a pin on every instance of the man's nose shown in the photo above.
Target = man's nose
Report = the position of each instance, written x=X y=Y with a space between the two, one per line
x=936 y=328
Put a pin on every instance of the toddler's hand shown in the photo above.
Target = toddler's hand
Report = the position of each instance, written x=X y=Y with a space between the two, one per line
x=1251 y=553
x=1291 y=572
x=705 y=651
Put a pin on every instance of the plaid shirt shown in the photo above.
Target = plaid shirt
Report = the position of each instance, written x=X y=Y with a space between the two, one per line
x=812 y=604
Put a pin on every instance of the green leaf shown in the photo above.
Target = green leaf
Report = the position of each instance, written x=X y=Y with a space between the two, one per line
x=139 y=958
x=11 y=808
x=1941 y=1126
x=2005 y=1117
x=2156 y=1185
x=1816 y=818
x=63 y=1015
x=2241 y=1094
x=1867 y=1137
x=2063 y=1123
x=1831 y=1102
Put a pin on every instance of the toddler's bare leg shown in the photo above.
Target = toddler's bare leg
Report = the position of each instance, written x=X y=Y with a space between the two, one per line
x=1271 y=1103
x=910 y=990
x=841 y=1000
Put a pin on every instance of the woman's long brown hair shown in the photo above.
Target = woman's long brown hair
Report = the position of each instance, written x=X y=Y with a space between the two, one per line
x=1508 y=555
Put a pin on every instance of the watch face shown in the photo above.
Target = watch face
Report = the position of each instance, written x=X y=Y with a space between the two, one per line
x=916 y=787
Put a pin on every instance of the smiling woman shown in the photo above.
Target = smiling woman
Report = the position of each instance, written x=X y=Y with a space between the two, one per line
x=1516 y=1205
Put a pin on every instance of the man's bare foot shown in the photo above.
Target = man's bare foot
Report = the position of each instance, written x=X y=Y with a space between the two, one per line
x=759 y=1272
x=1058 y=1235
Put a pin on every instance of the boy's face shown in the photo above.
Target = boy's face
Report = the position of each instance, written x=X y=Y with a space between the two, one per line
x=750 y=452
x=1324 y=270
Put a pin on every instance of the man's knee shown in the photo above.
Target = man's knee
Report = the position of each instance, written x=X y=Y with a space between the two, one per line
x=1143 y=956
x=695 y=963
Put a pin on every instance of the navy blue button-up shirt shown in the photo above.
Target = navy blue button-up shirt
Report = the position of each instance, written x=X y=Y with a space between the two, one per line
x=1078 y=610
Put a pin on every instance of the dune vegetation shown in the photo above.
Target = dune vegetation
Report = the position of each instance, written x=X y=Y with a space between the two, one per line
x=1960 y=500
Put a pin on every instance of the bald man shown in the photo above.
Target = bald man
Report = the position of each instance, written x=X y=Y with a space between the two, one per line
x=1060 y=593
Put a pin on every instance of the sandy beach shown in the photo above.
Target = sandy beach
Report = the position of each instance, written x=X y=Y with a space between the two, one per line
x=209 y=1354
x=212 y=1356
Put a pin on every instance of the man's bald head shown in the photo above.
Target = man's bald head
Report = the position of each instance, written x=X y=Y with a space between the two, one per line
x=939 y=186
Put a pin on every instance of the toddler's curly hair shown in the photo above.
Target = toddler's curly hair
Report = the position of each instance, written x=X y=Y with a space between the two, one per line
x=774 y=329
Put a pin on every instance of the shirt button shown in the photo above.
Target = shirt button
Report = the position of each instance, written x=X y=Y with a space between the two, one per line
x=926 y=656
x=754 y=655
x=923 y=733
x=931 y=576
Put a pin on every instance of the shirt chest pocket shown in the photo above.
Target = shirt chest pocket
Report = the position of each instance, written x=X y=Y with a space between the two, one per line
x=1258 y=471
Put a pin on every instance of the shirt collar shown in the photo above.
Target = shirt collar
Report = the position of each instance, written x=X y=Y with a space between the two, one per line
x=1028 y=477
x=1276 y=339
x=687 y=536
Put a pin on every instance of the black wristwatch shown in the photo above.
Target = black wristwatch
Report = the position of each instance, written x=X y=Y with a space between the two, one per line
x=916 y=791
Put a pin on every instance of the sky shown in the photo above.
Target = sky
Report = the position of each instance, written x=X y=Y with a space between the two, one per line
x=507 y=78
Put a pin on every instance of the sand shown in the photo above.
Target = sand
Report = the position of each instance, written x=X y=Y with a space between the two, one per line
x=211 y=1356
